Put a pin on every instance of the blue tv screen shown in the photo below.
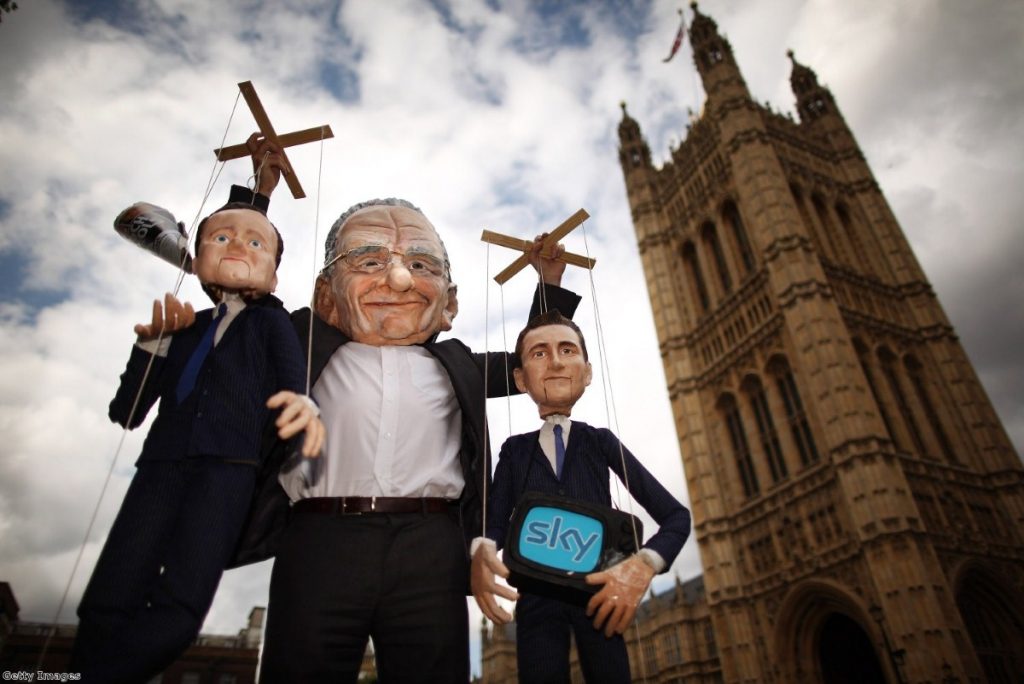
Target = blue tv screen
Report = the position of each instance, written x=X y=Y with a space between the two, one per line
x=560 y=539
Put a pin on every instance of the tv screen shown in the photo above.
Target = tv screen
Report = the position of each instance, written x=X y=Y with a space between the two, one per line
x=554 y=542
x=561 y=539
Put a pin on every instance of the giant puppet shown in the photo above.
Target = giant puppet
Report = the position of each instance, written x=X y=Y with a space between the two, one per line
x=374 y=543
x=571 y=459
x=217 y=374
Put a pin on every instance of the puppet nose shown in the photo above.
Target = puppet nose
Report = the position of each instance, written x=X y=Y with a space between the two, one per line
x=399 y=278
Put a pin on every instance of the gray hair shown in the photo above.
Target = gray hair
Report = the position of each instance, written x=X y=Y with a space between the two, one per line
x=331 y=243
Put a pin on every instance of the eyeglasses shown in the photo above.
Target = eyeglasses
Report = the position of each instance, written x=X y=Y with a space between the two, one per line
x=375 y=259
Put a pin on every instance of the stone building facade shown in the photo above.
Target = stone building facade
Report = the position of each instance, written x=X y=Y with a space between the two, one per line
x=672 y=640
x=857 y=502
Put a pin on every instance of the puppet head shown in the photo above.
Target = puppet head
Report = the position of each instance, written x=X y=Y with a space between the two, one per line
x=552 y=363
x=237 y=250
x=386 y=279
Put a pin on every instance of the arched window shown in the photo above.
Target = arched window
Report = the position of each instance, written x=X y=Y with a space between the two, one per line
x=917 y=381
x=888 y=362
x=863 y=355
x=740 y=448
x=799 y=427
x=739 y=234
x=710 y=237
x=835 y=239
x=696 y=278
x=766 y=428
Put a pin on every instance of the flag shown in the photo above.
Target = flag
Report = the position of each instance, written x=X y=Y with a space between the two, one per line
x=679 y=37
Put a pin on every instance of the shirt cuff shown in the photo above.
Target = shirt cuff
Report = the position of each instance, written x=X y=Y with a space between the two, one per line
x=157 y=347
x=653 y=559
x=475 y=544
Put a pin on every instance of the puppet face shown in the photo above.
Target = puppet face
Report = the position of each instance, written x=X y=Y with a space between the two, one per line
x=388 y=289
x=554 y=372
x=238 y=252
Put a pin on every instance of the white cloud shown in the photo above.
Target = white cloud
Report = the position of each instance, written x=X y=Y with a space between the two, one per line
x=481 y=133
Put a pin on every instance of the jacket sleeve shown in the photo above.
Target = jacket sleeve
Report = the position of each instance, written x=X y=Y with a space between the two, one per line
x=131 y=381
x=501 y=499
x=286 y=354
x=672 y=517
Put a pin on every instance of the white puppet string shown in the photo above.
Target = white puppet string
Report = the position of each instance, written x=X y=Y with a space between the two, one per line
x=609 y=401
x=486 y=469
x=180 y=278
x=312 y=296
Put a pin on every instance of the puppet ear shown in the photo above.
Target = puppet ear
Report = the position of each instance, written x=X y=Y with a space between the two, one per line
x=153 y=229
x=589 y=375
x=451 y=309
x=517 y=375
x=323 y=301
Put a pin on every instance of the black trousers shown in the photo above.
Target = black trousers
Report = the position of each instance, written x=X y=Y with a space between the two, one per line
x=542 y=644
x=398 y=578
x=159 y=569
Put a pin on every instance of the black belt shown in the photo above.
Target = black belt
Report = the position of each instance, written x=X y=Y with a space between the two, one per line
x=354 y=505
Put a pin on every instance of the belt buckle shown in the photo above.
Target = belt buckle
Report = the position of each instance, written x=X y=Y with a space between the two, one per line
x=345 y=505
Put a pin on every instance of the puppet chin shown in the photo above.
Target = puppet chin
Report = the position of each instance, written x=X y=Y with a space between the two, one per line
x=233 y=274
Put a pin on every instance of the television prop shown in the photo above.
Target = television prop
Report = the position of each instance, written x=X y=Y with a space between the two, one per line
x=554 y=542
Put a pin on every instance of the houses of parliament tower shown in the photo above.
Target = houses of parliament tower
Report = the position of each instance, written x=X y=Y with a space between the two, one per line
x=858 y=506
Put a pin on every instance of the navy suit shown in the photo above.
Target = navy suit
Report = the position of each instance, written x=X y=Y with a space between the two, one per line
x=180 y=519
x=543 y=624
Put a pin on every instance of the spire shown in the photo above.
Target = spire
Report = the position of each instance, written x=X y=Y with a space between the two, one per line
x=633 y=150
x=712 y=55
x=812 y=99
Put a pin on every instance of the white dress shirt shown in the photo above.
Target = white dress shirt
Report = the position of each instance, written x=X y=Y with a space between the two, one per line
x=393 y=427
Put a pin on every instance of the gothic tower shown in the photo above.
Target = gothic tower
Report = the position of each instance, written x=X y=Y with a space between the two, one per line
x=857 y=502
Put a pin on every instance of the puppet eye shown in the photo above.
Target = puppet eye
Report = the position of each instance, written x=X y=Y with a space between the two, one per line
x=255 y=244
x=221 y=239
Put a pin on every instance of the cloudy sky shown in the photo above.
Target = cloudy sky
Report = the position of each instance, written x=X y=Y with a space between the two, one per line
x=487 y=114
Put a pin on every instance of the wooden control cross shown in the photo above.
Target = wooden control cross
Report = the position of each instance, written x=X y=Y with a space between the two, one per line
x=548 y=244
x=267 y=129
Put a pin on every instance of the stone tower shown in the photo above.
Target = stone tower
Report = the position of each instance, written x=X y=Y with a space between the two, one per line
x=857 y=502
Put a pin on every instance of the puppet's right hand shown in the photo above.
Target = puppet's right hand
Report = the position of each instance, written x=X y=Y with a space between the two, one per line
x=167 y=320
x=268 y=163
x=481 y=580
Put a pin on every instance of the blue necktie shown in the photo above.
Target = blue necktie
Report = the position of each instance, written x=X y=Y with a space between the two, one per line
x=559 y=451
x=187 y=381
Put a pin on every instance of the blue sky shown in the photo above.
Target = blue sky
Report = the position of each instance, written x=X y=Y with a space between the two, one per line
x=497 y=115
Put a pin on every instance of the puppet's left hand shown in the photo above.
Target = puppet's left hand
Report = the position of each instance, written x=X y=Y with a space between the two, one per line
x=549 y=268
x=300 y=413
x=624 y=586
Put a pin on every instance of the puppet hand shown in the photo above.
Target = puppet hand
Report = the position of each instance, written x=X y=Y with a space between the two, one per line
x=268 y=163
x=300 y=413
x=481 y=580
x=624 y=586
x=548 y=267
x=167 y=320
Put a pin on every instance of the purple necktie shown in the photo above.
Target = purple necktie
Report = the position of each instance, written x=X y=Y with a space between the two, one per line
x=559 y=451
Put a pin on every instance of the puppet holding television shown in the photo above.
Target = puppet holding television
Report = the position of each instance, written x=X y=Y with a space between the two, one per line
x=573 y=558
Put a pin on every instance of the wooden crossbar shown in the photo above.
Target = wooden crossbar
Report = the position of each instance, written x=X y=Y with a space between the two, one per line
x=548 y=245
x=267 y=129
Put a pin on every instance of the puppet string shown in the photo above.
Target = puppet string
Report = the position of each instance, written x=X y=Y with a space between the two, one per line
x=485 y=472
x=609 y=401
x=210 y=183
x=312 y=297
x=611 y=412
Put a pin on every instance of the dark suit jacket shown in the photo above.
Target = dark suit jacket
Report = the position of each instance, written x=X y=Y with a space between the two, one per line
x=224 y=415
x=590 y=454
x=271 y=507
